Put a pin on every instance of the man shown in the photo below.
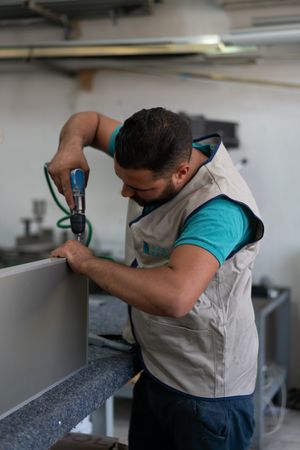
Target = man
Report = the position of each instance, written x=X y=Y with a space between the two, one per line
x=192 y=236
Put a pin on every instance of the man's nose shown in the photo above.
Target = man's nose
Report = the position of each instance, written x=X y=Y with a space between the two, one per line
x=127 y=191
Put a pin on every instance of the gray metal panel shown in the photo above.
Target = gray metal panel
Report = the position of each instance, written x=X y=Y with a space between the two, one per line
x=43 y=329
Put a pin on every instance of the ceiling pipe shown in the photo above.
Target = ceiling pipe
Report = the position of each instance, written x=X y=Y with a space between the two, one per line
x=204 y=45
x=240 y=42
x=270 y=35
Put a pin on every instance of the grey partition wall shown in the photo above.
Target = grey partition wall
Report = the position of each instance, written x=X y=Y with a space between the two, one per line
x=43 y=329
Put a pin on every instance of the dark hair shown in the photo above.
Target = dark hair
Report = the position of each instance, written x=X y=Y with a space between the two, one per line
x=155 y=139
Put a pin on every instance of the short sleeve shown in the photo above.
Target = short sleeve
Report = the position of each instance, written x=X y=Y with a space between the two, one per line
x=222 y=227
x=112 y=140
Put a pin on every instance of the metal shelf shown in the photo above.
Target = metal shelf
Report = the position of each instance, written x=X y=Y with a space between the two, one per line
x=279 y=376
x=275 y=311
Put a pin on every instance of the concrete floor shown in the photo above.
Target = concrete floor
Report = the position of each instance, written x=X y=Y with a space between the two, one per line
x=286 y=438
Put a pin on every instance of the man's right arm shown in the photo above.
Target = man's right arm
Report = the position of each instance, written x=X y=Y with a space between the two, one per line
x=81 y=130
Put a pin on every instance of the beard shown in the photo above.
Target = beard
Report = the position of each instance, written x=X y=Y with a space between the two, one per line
x=168 y=193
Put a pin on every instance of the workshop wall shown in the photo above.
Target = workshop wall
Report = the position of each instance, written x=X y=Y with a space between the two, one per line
x=35 y=103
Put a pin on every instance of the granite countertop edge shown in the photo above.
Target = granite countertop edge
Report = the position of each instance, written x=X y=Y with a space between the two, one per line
x=43 y=421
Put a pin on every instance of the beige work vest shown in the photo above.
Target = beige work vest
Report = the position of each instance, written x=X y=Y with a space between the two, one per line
x=212 y=350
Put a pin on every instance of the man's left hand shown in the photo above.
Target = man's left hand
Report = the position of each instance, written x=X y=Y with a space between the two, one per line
x=75 y=253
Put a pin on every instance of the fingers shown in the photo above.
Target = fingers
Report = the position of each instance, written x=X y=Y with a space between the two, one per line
x=75 y=253
x=66 y=189
x=54 y=177
x=60 y=168
x=62 y=251
x=57 y=253
x=63 y=185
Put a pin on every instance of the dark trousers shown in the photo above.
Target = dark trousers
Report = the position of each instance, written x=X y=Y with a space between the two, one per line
x=162 y=419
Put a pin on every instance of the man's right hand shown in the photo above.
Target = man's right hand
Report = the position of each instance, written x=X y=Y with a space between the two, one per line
x=60 y=167
x=82 y=129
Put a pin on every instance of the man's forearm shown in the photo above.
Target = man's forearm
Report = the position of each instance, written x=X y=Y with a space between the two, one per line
x=168 y=290
x=154 y=291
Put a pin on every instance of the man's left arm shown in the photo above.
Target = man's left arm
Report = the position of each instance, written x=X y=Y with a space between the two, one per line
x=170 y=290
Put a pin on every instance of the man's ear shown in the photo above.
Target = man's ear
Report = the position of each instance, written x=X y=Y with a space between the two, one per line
x=181 y=173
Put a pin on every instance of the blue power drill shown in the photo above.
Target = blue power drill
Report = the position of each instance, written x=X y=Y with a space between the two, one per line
x=78 y=213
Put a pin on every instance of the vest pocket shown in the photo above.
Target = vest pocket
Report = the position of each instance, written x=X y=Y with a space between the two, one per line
x=180 y=357
x=175 y=335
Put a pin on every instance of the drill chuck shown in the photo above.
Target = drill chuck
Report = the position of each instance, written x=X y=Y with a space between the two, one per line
x=77 y=223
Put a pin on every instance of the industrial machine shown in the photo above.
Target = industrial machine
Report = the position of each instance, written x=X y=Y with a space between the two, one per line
x=35 y=243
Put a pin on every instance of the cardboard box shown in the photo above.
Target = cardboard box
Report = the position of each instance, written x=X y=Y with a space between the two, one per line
x=78 y=441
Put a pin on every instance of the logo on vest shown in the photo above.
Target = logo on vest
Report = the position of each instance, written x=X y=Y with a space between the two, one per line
x=156 y=250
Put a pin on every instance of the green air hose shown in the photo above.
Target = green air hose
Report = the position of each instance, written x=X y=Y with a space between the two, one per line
x=60 y=223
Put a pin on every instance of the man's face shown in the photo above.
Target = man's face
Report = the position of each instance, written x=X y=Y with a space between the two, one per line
x=143 y=187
